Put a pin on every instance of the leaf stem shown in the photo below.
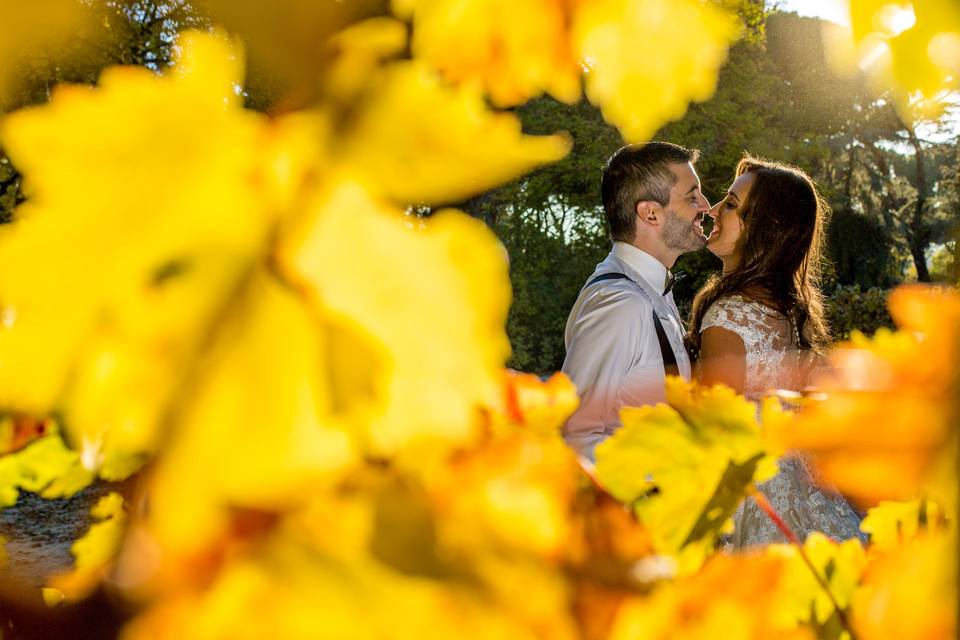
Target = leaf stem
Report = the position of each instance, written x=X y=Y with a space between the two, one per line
x=768 y=509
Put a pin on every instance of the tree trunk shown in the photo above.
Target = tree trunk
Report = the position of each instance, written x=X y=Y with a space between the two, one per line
x=918 y=235
x=848 y=179
x=887 y=205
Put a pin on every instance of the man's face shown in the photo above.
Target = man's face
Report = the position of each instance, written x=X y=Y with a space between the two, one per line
x=682 y=230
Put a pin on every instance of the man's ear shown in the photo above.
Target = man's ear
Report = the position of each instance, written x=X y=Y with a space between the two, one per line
x=648 y=212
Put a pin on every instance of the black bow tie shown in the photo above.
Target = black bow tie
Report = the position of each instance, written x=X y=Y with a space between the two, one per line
x=672 y=279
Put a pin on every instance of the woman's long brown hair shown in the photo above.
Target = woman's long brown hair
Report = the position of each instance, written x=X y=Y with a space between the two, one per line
x=783 y=227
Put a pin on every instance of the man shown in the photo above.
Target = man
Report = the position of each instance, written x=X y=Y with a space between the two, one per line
x=624 y=332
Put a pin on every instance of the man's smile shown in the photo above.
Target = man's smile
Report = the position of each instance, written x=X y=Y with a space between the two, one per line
x=707 y=225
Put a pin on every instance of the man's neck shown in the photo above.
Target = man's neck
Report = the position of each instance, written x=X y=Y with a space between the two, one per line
x=666 y=257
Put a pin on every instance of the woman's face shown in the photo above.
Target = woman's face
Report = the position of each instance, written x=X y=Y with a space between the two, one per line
x=725 y=241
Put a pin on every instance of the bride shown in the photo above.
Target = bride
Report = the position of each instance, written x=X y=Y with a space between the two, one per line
x=756 y=327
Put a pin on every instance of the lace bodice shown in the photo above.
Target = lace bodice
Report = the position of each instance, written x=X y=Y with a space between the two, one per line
x=775 y=362
x=769 y=338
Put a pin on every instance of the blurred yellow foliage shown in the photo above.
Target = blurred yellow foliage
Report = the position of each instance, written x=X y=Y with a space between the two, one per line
x=170 y=231
x=891 y=524
x=541 y=406
x=316 y=373
x=513 y=49
x=375 y=275
x=912 y=48
x=732 y=597
x=840 y=565
x=646 y=59
x=883 y=428
x=910 y=592
x=415 y=159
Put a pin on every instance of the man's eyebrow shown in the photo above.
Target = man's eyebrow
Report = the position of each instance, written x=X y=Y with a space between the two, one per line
x=693 y=188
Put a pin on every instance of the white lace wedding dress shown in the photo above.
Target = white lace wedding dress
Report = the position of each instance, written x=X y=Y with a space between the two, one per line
x=773 y=362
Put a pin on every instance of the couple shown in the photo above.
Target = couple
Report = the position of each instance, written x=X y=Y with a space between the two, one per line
x=751 y=328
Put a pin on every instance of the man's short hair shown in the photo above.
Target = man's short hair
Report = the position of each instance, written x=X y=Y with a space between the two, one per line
x=639 y=172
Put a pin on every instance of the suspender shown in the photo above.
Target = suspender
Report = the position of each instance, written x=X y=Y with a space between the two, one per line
x=666 y=351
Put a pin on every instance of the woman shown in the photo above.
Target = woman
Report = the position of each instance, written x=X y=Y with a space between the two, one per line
x=757 y=327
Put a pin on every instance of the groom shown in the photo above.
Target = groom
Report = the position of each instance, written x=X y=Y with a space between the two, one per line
x=624 y=332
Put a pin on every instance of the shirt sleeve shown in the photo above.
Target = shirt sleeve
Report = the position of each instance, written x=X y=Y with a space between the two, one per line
x=607 y=340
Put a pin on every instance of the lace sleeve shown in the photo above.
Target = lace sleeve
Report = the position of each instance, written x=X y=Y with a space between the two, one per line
x=726 y=313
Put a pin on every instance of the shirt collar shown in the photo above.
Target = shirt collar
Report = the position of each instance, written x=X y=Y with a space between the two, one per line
x=642 y=264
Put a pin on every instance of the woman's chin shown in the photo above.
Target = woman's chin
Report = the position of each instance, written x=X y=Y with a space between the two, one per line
x=712 y=248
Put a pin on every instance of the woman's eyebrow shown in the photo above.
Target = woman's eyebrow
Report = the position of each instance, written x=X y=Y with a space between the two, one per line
x=731 y=194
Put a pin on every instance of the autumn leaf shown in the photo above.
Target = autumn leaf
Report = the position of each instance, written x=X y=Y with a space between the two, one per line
x=530 y=403
x=891 y=524
x=412 y=159
x=515 y=50
x=19 y=430
x=398 y=360
x=910 y=592
x=731 y=597
x=168 y=233
x=646 y=60
x=36 y=467
x=839 y=564
x=881 y=426
x=686 y=465
x=910 y=48
x=257 y=430
x=95 y=550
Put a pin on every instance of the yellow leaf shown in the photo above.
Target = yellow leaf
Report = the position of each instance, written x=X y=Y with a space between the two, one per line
x=361 y=49
x=35 y=467
x=51 y=596
x=533 y=404
x=514 y=49
x=379 y=276
x=883 y=423
x=288 y=43
x=686 y=466
x=415 y=159
x=912 y=48
x=910 y=593
x=257 y=429
x=646 y=59
x=841 y=565
x=891 y=524
x=155 y=241
x=299 y=594
x=95 y=550
x=731 y=597
x=515 y=492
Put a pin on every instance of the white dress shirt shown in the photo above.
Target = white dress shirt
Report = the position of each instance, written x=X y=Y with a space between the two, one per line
x=613 y=353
